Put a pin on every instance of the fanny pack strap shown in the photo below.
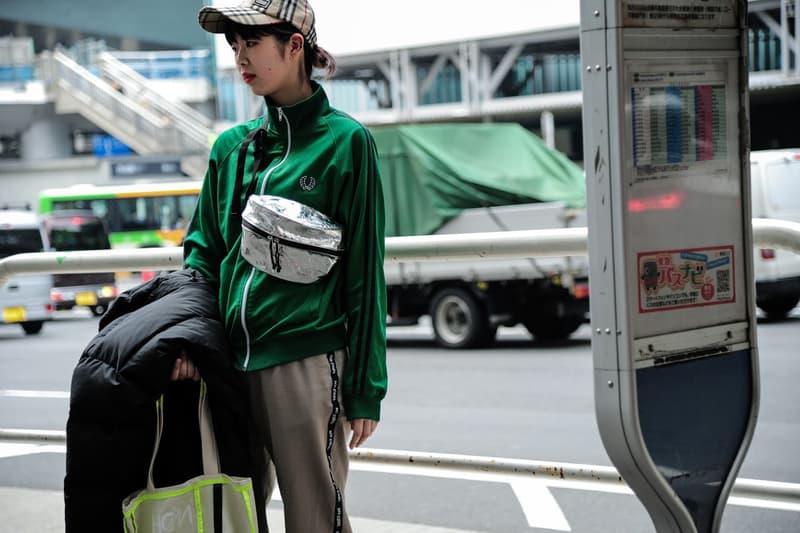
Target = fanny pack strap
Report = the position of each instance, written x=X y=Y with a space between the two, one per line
x=257 y=138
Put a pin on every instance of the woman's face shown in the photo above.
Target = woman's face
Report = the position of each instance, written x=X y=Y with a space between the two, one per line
x=266 y=67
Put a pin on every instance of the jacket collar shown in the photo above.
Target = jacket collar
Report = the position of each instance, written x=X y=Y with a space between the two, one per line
x=300 y=115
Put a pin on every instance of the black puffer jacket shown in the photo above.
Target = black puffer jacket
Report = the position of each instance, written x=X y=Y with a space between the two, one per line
x=119 y=377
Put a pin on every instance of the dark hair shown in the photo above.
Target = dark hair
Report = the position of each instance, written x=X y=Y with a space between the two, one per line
x=315 y=56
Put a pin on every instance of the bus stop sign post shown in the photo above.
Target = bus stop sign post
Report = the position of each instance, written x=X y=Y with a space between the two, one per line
x=666 y=140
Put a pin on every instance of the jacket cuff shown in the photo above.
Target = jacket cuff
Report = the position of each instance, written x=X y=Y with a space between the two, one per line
x=362 y=407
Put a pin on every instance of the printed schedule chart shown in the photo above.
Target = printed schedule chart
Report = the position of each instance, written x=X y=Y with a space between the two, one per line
x=678 y=124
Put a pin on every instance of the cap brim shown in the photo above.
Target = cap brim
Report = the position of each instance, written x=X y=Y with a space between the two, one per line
x=213 y=19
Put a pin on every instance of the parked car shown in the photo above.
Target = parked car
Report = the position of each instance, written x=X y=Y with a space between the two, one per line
x=24 y=298
x=73 y=230
x=775 y=185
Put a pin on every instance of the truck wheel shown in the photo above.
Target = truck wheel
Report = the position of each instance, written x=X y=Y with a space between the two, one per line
x=552 y=328
x=460 y=320
x=779 y=307
x=32 y=328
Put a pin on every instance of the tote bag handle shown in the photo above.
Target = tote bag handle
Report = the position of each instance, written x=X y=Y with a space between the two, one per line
x=208 y=443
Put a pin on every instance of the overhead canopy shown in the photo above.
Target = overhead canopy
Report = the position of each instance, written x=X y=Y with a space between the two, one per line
x=431 y=172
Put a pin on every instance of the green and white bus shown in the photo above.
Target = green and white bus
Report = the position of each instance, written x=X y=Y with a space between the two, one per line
x=139 y=215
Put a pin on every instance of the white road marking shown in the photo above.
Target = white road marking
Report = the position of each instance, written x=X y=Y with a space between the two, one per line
x=13 y=449
x=11 y=393
x=599 y=486
x=539 y=506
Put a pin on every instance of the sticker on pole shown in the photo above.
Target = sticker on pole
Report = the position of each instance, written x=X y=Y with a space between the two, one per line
x=680 y=13
x=677 y=279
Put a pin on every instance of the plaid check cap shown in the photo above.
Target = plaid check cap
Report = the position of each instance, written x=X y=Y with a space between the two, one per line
x=259 y=12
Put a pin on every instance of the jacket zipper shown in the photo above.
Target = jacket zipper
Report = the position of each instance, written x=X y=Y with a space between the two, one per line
x=246 y=289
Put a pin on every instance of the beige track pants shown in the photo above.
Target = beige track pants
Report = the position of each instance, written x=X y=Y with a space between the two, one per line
x=299 y=419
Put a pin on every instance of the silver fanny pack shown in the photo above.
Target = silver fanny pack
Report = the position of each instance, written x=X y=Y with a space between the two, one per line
x=289 y=240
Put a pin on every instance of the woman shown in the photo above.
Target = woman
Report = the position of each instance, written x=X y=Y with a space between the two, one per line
x=313 y=354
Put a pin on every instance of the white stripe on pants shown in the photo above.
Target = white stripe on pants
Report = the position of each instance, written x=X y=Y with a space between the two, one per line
x=298 y=416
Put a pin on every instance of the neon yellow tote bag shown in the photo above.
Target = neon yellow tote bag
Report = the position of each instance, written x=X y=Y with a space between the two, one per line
x=211 y=503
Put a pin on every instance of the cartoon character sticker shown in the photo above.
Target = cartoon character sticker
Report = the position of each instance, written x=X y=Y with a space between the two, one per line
x=650 y=277
x=675 y=279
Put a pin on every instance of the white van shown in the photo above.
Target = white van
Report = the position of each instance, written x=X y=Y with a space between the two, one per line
x=25 y=298
x=775 y=184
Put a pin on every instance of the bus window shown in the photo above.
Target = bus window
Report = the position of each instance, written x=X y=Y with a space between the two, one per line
x=100 y=208
x=186 y=207
x=136 y=214
x=166 y=218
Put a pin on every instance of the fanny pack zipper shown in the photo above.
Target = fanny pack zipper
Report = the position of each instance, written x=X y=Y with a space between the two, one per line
x=281 y=240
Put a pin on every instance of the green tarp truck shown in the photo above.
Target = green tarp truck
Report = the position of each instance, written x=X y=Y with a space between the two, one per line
x=465 y=178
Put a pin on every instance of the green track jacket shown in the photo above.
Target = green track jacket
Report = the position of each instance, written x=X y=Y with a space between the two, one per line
x=323 y=158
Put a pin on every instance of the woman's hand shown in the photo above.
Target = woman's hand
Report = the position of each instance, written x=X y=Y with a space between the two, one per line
x=362 y=429
x=184 y=369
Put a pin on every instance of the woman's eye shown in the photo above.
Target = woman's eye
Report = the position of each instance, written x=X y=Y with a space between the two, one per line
x=251 y=44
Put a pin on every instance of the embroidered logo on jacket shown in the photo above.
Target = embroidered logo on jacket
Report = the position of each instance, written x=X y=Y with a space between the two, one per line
x=307 y=183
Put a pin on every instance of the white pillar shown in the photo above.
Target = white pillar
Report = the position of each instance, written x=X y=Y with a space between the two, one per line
x=548 y=127
x=47 y=138
x=784 y=40
x=797 y=37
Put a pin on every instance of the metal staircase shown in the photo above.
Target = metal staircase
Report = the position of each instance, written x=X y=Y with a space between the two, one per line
x=121 y=104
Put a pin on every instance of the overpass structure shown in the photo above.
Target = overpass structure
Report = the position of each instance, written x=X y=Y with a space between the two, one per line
x=535 y=78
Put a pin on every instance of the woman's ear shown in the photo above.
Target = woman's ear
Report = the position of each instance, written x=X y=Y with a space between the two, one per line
x=296 y=42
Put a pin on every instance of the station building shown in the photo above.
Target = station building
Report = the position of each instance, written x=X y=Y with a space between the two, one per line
x=107 y=92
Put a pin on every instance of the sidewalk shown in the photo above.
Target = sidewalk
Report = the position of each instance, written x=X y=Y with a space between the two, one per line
x=42 y=511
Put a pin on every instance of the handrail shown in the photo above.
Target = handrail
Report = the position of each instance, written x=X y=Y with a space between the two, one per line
x=774 y=491
x=773 y=233
x=489 y=245
x=530 y=469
